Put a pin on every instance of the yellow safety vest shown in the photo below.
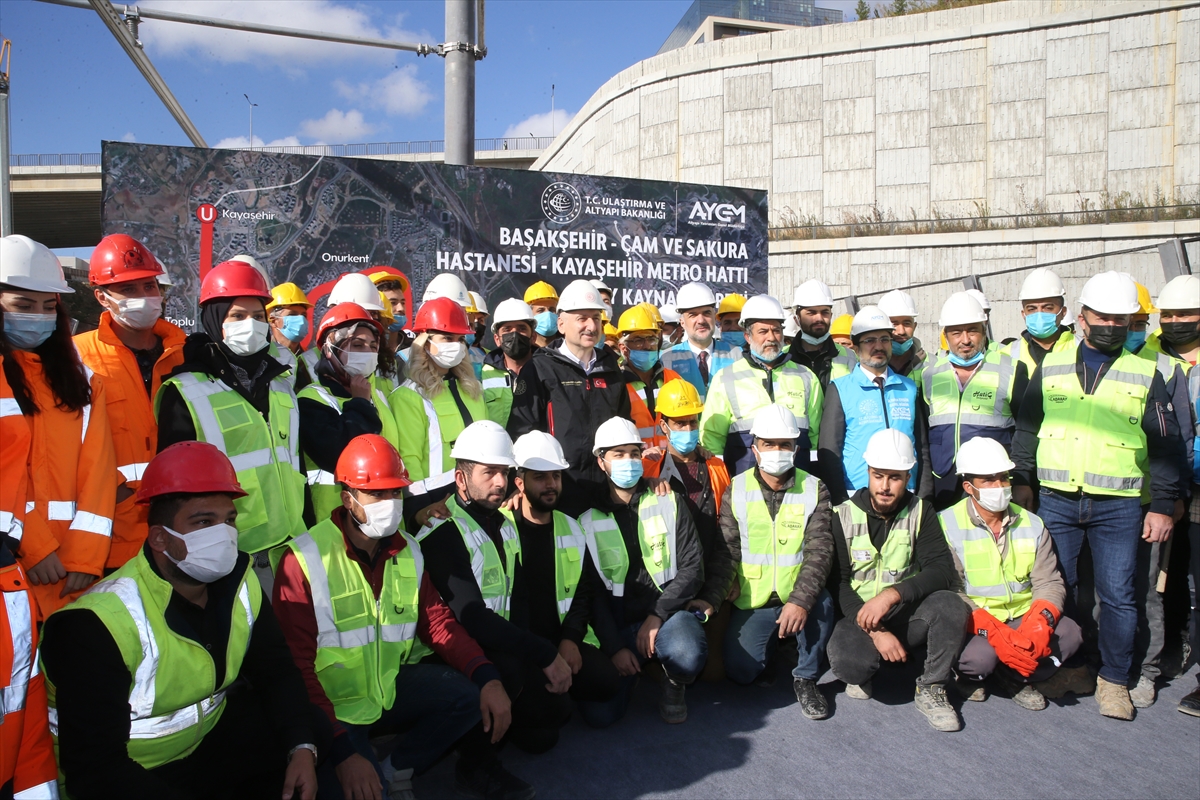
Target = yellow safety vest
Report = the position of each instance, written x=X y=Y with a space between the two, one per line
x=772 y=549
x=493 y=576
x=874 y=571
x=427 y=456
x=656 y=537
x=1002 y=586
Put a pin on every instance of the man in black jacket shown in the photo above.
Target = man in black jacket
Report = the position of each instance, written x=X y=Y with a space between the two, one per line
x=894 y=580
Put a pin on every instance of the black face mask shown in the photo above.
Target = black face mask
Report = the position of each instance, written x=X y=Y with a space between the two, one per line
x=515 y=345
x=480 y=331
x=1177 y=334
x=1107 y=338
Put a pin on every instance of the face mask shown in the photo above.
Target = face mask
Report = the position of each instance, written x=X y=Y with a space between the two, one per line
x=959 y=361
x=362 y=364
x=399 y=324
x=1178 y=334
x=470 y=337
x=139 y=313
x=383 y=518
x=245 y=336
x=608 y=309
x=768 y=359
x=1041 y=324
x=684 y=442
x=294 y=328
x=735 y=338
x=404 y=354
x=813 y=339
x=1107 y=338
x=28 y=331
x=643 y=359
x=1134 y=340
x=449 y=354
x=515 y=345
x=666 y=342
x=212 y=552
x=900 y=348
x=626 y=472
x=775 y=462
x=996 y=499
x=547 y=323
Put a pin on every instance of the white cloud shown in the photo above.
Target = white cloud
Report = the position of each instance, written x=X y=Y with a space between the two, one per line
x=241 y=142
x=397 y=93
x=337 y=127
x=129 y=137
x=540 y=125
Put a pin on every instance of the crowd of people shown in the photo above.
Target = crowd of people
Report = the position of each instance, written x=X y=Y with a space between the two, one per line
x=233 y=565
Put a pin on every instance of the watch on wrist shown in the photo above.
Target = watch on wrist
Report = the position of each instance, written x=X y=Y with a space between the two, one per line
x=306 y=746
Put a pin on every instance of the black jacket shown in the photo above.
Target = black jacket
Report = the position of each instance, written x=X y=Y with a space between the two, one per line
x=819 y=361
x=325 y=432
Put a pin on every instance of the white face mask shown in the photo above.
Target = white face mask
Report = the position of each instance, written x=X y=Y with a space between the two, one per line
x=383 y=518
x=449 y=354
x=245 y=336
x=138 y=313
x=363 y=364
x=212 y=552
x=775 y=462
x=996 y=499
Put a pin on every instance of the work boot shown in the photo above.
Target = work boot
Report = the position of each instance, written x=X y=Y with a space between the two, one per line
x=490 y=782
x=932 y=702
x=1113 y=699
x=1143 y=694
x=1074 y=680
x=812 y=703
x=400 y=784
x=1190 y=704
x=859 y=691
x=975 y=691
x=1023 y=694
x=672 y=706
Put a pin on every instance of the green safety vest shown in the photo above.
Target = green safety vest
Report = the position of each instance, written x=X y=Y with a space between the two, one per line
x=322 y=486
x=493 y=575
x=983 y=402
x=497 y=394
x=1094 y=442
x=874 y=571
x=569 y=547
x=739 y=388
x=361 y=642
x=656 y=538
x=1019 y=349
x=1001 y=586
x=429 y=462
x=772 y=549
x=264 y=455
x=173 y=699
x=843 y=363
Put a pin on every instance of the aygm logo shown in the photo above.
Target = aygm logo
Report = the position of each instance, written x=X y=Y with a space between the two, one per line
x=561 y=202
x=718 y=213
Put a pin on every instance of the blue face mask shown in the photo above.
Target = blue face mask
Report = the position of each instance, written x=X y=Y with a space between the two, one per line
x=547 y=323
x=28 y=331
x=684 y=442
x=626 y=472
x=958 y=361
x=1134 y=340
x=643 y=359
x=813 y=340
x=734 y=338
x=1041 y=325
x=399 y=324
x=294 y=328
x=470 y=337
x=900 y=348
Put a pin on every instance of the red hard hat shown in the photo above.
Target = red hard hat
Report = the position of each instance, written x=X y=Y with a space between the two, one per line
x=231 y=279
x=189 y=468
x=119 y=258
x=444 y=315
x=370 y=462
x=343 y=313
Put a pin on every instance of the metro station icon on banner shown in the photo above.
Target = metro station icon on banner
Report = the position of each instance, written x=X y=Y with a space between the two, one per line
x=207 y=214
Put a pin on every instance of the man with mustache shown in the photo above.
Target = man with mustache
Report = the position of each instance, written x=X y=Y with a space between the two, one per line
x=813 y=347
x=700 y=356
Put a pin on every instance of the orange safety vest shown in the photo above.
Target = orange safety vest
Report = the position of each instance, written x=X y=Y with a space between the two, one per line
x=647 y=423
x=14 y=449
x=26 y=749
x=72 y=473
x=718 y=475
x=131 y=418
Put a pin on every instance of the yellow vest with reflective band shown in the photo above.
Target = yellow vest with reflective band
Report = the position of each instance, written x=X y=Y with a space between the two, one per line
x=497 y=394
x=740 y=386
x=1002 y=586
x=656 y=538
x=1020 y=349
x=265 y=455
x=1094 y=442
x=432 y=468
x=493 y=576
x=173 y=699
x=361 y=642
x=985 y=400
x=842 y=364
x=569 y=547
x=874 y=571
x=322 y=486
x=772 y=549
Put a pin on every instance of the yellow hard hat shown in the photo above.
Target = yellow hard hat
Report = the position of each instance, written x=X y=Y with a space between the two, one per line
x=637 y=318
x=731 y=304
x=678 y=398
x=610 y=332
x=540 y=291
x=841 y=325
x=654 y=312
x=1146 y=305
x=386 y=314
x=288 y=294
x=381 y=276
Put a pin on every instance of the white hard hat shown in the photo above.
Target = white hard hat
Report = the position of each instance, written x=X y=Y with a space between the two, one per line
x=539 y=452
x=982 y=456
x=600 y=285
x=512 y=310
x=694 y=295
x=870 y=318
x=980 y=298
x=1042 y=282
x=447 y=285
x=484 y=442
x=615 y=432
x=898 y=303
x=356 y=288
x=762 y=307
x=1110 y=293
x=775 y=422
x=580 y=295
x=1181 y=293
x=669 y=314
x=890 y=449
x=791 y=327
x=811 y=294
x=246 y=258
x=26 y=264
x=961 y=308
x=479 y=303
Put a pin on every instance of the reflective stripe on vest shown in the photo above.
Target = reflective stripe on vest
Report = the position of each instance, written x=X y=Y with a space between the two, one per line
x=436 y=478
x=569 y=546
x=991 y=583
x=133 y=472
x=198 y=395
x=971 y=404
x=872 y=570
x=493 y=576
x=842 y=364
x=64 y=510
x=24 y=665
x=741 y=414
x=9 y=407
x=1194 y=395
x=313 y=476
x=772 y=548
x=656 y=538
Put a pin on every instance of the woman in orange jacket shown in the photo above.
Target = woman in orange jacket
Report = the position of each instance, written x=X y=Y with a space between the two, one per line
x=70 y=467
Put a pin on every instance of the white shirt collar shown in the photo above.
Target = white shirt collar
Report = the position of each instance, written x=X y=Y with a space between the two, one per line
x=698 y=350
x=567 y=352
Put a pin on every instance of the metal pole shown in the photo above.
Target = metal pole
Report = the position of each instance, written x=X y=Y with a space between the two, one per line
x=252 y=105
x=6 y=223
x=460 y=82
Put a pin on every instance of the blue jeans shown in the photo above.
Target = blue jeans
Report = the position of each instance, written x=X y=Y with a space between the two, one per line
x=1113 y=529
x=435 y=705
x=753 y=636
x=680 y=647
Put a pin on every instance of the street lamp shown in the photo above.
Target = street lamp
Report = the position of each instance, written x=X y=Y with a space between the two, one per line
x=252 y=107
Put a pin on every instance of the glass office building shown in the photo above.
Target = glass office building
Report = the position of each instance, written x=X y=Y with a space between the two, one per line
x=781 y=12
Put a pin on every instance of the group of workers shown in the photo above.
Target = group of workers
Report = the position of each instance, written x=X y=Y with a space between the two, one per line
x=248 y=565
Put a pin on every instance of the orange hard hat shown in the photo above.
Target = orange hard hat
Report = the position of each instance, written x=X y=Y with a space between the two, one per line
x=344 y=313
x=443 y=315
x=189 y=468
x=232 y=279
x=370 y=462
x=120 y=258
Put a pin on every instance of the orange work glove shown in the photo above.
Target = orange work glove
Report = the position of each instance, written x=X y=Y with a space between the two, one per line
x=1038 y=626
x=1010 y=647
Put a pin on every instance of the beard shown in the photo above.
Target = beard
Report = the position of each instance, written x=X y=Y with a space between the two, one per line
x=544 y=502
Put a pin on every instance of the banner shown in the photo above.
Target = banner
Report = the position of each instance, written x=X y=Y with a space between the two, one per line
x=310 y=219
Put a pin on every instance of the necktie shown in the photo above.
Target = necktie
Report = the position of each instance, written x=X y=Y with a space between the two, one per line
x=703 y=358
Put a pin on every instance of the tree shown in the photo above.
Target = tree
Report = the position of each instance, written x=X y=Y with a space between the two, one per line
x=899 y=7
x=862 y=10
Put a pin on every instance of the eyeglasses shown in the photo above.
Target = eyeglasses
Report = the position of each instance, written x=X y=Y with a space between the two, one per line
x=874 y=340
